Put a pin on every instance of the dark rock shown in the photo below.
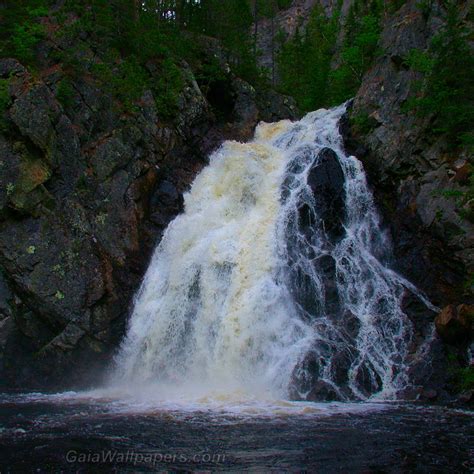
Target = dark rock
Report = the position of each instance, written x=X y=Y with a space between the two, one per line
x=9 y=67
x=351 y=324
x=326 y=180
x=466 y=397
x=322 y=392
x=326 y=267
x=86 y=191
x=454 y=325
x=5 y=299
x=429 y=394
x=368 y=380
x=304 y=376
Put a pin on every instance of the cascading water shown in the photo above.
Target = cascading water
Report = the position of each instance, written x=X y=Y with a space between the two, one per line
x=274 y=280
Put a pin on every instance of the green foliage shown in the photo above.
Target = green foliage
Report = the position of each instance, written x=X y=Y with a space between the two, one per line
x=20 y=29
x=283 y=4
x=425 y=6
x=167 y=88
x=305 y=62
x=447 y=87
x=362 y=123
x=126 y=36
x=65 y=93
x=420 y=61
x=126 y=81
x=209 y=71
x=25 y=38
x=395 y=5
x=230 y=22
x=362 y=31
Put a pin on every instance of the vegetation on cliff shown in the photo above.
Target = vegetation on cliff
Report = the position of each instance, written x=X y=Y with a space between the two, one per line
x=446 y=89
x=327 y=73
x=128 y=36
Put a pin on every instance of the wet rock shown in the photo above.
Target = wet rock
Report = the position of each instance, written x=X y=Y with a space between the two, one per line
x=429 y=394
x=351 y=324
x=466 y=397
x=305 y=375
x=326 y=180
x=323 y=392
x=454 y=324
x=326 y=266
x=368 y=380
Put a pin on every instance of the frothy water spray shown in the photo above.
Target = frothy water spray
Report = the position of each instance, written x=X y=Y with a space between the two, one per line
x=269 y=287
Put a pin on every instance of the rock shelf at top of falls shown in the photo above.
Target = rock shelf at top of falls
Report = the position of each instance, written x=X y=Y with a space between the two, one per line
x=274 y=282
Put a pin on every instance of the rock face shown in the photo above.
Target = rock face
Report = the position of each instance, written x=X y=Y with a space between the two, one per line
x=455 y=324
x=86 y=191
x=413 y=173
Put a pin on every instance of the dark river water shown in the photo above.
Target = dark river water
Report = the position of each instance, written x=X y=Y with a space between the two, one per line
x=67 y=433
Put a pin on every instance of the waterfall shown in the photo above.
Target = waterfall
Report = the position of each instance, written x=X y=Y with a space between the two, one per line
x=275 y=279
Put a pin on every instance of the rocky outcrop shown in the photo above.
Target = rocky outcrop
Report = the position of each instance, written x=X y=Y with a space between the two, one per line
x=415 y=175
x=413 y=172
x=86 y=190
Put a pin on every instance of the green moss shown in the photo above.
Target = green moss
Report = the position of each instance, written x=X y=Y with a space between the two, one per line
x=31 y=249
x=59 y=295
x=10 y=189
x=362 y=123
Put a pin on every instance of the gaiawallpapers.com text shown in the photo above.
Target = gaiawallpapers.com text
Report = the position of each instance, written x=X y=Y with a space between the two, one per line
x=131 y=457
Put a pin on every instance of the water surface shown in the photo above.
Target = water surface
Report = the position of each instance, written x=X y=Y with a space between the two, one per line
x=90 y=433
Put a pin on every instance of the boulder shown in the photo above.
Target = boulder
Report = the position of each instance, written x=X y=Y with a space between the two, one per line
x=326 y=180
x=322 y=392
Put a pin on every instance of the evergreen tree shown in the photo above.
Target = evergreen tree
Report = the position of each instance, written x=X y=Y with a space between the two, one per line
x=447 y=89
x=304 y=61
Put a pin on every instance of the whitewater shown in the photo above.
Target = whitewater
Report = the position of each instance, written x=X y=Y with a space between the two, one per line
x=222 y=310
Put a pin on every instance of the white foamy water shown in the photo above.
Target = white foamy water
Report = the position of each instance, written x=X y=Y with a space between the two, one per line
x=219 y=316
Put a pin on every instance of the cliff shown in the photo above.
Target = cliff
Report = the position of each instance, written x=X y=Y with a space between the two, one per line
x=87 y=188
x=416 y=175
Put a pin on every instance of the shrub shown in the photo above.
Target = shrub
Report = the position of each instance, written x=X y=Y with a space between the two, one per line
x=65 y=93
